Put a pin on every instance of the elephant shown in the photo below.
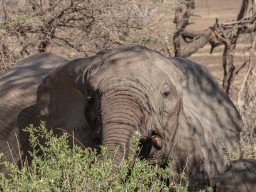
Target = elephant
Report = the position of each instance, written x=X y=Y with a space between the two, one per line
x=240 y=176
x=175 y=104
x=18 y=102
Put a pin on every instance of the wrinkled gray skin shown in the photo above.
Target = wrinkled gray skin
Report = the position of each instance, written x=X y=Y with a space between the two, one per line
x=175 y=104
x=240 y=176
x=17 y=101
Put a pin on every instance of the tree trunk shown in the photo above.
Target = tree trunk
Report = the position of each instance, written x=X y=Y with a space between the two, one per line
x=182 y=20
x=228 y=67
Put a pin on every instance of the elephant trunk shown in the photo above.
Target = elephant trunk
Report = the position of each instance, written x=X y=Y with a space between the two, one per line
x=121 y=117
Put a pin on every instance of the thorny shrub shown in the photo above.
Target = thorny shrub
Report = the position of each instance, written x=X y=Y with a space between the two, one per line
x=61 y=168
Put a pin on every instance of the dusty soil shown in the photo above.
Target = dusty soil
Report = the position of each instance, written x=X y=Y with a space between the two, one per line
x=206 y=12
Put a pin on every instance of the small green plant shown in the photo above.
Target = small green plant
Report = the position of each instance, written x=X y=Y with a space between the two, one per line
x=148 y=39
x=57 y=167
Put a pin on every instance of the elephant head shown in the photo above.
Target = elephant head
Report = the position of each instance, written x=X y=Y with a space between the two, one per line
x=175 y=105
x=17 y=101
x=117 y=92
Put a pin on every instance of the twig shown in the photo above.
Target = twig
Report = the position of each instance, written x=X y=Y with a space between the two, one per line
x=18 y=145
x=72 y=136
x=11 y=153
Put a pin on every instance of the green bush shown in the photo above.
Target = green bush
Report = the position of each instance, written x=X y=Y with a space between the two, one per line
x=61 y=168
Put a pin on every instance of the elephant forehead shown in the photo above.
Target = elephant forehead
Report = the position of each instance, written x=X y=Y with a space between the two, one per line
x=147 y=78
x=136 y=71
x=136 y=64
x=133 y=60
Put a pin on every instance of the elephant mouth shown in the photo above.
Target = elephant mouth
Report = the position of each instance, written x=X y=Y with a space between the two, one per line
x=150 y=149
x=156 y=159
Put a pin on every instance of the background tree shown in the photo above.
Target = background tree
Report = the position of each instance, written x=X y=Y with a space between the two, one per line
x=78 y=28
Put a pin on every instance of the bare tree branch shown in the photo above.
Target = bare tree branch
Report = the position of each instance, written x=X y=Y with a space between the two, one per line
x=196 y=43
x=247 y=95
x=230 y=45
x=182 y=20
x=78 y=28
x=197 y=40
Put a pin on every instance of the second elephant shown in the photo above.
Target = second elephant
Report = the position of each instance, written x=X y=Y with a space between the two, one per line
x=240 y=176
x=17 y=101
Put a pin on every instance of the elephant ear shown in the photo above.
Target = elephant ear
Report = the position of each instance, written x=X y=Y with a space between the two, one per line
x=210 y=124
x=61 y=100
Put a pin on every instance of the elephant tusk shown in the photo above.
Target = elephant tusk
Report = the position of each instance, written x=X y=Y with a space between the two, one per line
x=157 y=141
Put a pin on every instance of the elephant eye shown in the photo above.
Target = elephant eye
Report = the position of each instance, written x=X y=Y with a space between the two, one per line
x=88 y=97
x=166 y=91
